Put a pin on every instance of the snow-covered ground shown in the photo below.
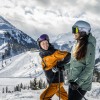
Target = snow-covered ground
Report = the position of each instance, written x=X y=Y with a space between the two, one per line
x=19 y=69
x=94 y=94
x=25 y=67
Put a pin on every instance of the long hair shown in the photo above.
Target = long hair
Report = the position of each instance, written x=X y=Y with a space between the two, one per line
x=81 y=47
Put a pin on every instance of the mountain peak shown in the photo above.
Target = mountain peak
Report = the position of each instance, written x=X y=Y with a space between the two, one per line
x=4 y=24
x=17 y=34
x=1 y=19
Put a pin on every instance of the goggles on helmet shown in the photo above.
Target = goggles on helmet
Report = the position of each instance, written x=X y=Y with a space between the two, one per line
x=75 y=30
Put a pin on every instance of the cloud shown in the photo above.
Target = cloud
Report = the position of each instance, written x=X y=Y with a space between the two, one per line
x=53 y=17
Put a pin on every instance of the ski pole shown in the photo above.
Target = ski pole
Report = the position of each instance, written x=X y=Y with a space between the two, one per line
x=59 y=84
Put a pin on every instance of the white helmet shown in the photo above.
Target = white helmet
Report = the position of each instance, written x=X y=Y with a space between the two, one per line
x=83 y=26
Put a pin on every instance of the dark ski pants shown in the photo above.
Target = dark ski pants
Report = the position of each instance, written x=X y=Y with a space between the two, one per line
x=74 y=94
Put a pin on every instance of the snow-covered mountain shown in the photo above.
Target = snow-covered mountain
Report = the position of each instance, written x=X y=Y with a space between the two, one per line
x=63 y=41
x=17 y=35
x=68 y=39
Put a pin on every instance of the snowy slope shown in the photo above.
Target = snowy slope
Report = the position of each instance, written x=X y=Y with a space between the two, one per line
x=23 y=65
x=94 y=94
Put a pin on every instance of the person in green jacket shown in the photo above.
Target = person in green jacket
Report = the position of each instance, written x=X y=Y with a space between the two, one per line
x=82 y=61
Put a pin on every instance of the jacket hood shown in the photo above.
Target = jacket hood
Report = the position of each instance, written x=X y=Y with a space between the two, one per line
x=92 y=40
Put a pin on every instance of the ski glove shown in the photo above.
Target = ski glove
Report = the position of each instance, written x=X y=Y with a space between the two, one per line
x=74 y=85
x=60 y=66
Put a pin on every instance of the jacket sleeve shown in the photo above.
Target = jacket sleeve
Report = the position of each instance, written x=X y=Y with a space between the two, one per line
x=67 y=58
x=51 y=61
x=66 y=61
x=89 y=67
x=67 y=65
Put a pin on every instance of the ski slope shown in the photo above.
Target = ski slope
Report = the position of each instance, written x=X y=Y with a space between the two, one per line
x=23 y=65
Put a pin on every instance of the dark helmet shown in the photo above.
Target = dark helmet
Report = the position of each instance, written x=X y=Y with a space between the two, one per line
x=42 y=38
x=81 y=26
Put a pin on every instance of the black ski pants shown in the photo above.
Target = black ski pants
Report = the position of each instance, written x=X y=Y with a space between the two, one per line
x=75 y=95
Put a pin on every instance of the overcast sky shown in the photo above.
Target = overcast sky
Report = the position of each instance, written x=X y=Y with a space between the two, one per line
x=35 y=17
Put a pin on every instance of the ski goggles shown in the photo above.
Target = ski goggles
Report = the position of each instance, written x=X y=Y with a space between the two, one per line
x=75 y=30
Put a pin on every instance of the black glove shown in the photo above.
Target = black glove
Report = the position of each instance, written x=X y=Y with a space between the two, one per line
x=74 y=85
x=60 y=65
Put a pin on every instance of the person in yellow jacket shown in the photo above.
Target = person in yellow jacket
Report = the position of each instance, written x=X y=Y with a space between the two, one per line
x=51 y=61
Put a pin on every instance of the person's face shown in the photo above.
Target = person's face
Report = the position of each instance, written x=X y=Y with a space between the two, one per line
x=76 y=36
x=44 y=45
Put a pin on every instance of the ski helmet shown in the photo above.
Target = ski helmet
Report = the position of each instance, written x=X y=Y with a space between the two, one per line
x=81 y=26
x=42 y=38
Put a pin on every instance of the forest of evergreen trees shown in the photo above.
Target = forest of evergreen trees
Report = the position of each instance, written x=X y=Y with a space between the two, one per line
x=34 y=85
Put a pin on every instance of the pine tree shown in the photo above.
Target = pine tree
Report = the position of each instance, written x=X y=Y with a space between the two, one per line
x=16 y=88
x=21 y=86
x=3 y=90
x=40 y=84
x=44 y=85
x=24 y=87
x=35 y=84
x=31 y=84
x=19 y=89
x=6 y=89
x=28 y=87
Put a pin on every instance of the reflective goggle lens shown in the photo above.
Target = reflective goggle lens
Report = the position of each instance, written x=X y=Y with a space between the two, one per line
x=75 y=30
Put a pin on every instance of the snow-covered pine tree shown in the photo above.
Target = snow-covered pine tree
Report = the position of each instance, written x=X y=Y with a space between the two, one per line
x=6 y=89
x=40 y=83
x=44 y=85
x=35 y=85
x=3 y=90
x=17 y=88
x=21 y=86
x=31 y=84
